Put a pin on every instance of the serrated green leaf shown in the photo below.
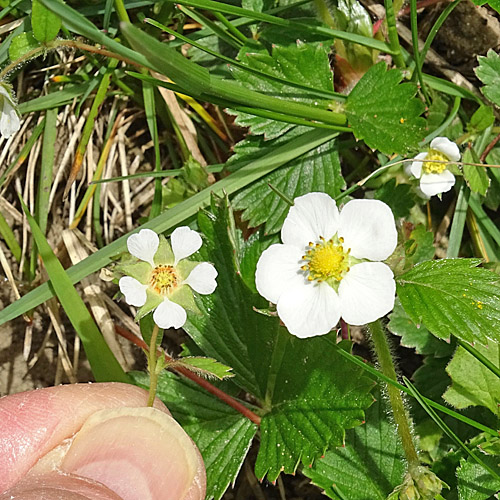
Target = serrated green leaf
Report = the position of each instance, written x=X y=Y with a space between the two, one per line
x=318 y=170
x=370 y=465
x=21 y=44
x=453 y=296
x=420 y=245
x=207 y=367
x=481 y=119
x=488 y=72
x=476 y=177
x=45 y=24
x=302 y=63
x=222 y=435
x=475 y=483
x=384 y=112
x=473 y=383
x=318 y=395
x=399 y=197
x=417 y=337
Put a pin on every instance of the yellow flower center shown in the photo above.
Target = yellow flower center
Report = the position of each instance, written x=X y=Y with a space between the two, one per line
x=326 y=260
x=429 y=167
x=163 y=279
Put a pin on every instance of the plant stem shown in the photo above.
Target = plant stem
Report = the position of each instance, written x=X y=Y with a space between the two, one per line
x=393 y=34
x=401 y=416
x=121 y=11
x=416 y=52
x=153 y=360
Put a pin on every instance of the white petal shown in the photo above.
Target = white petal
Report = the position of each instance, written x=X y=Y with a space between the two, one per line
x=312 y=215
x=144 y=245
x=278 y=269
x=309 y=310
x=368 y=229
x=9 y=120
x=185 y=242
x=169 y=315
x=416 y=166
x=134 y=291
x=447 y=147
x=202 y=278
x=367 y=293
x=432 y=184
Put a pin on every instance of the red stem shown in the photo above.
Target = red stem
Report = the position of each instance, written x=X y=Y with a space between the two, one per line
x=488 y=149
x=195 y=378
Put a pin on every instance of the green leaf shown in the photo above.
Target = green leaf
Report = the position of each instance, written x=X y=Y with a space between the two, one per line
x=299 y=423
x=222 y=435
x=305 y=64
x=475 y=483
x=311 y=406
x=21 y=44
x=369 y=466
x=488 y=72
x=398 y=197
x=420 y=246
x=206 y=367
x=476 y=177
x=416 y=337
x=452 y=296
x=481 y=119
x=384 y=112
x=317 y=170
x=104 y=365
x=45 y=24
x=473 y=383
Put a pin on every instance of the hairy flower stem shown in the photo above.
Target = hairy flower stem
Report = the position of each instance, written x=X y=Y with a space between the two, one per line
x=392 y=32
x=152 y=362
x=401 y=416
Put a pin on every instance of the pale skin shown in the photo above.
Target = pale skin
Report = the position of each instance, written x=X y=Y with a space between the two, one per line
x=95 y=441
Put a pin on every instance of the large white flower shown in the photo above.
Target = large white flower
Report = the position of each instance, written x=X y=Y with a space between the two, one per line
x=9 y=119
x=435 y=178
x=163 y=280
x=324 y=269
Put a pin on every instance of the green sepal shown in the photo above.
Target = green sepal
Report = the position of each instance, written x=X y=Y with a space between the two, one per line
x=204 y=366
x=153 y=300
x=184 y=268
x=164 y=255
x=184 y=297
x=139 y=270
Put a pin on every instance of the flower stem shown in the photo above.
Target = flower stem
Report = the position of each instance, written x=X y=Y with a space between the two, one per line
x=121 y=11
x=401 y=416
x=153 y=360
x=393 y=34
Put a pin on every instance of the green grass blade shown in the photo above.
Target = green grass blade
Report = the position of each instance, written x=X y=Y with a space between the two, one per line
x=104 y=365
x=457 y=226
x=178 y=214
x=483 y=217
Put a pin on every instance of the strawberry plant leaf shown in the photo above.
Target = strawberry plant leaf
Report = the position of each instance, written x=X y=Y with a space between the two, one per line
x=222 y=435
x=474 y=482
x=384 y=112
x=363 y=469
x=488 y=72
x=452 y=296
x=317 y=170
x=45 y=23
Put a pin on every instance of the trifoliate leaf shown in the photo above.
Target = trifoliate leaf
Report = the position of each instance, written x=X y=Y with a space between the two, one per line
x=417 y=337
x=222 y=435
x=317 y=396
x=45 y=23
x=318 y=170
x=473 y=383
x=488 y=72
x=369 y=466
x=206 y=367
x=21 y=44
x=305 y=64
x=398 y=197
x=453 y=296
x=474 y=482
x=384 y=112
x=310 y=394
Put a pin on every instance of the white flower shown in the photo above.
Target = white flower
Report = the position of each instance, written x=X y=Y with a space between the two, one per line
x=324 y=269
x=9 y=119
x=165 y=278
x=435 y=178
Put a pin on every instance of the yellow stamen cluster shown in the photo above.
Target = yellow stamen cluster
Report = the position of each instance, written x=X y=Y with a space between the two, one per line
x=163 y=279
x=429 y=167
x=326 y=260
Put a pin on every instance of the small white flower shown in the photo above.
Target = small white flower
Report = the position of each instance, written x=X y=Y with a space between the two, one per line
x=435 y=178
x=164 y=275
x=324 y=269
x=9 y=119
